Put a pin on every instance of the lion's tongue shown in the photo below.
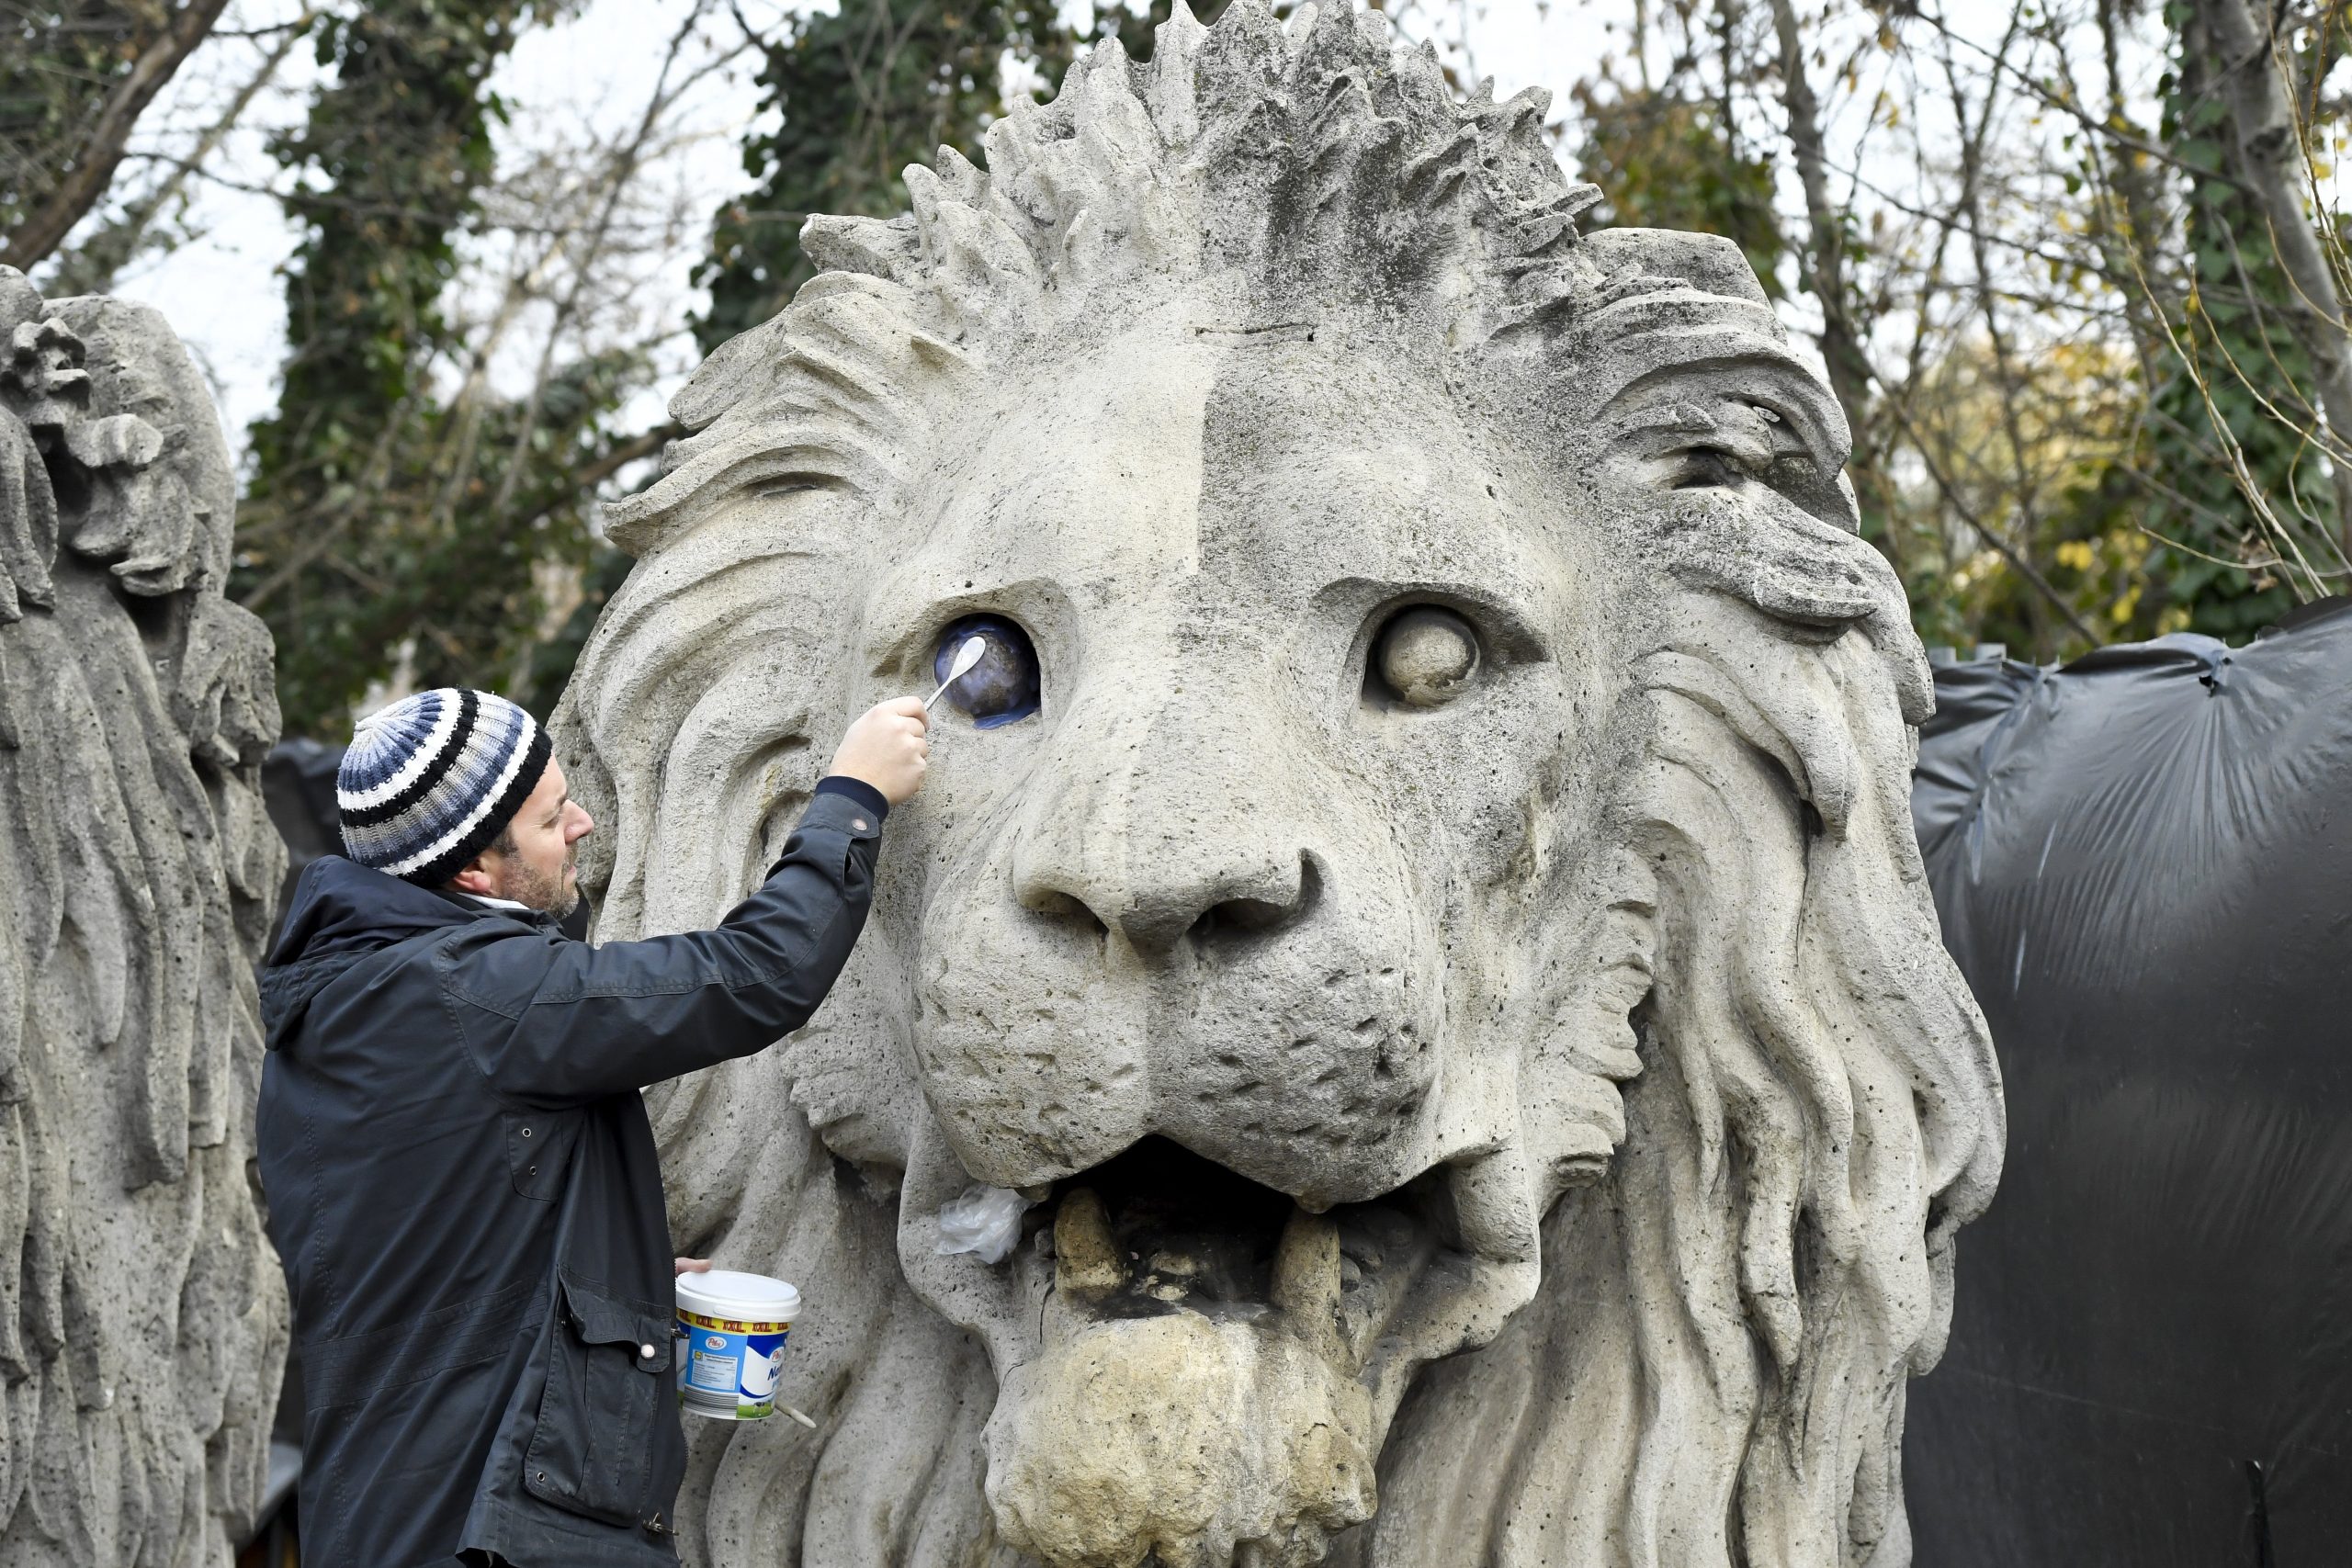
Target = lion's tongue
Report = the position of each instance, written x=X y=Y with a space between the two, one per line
x=1181 y=1434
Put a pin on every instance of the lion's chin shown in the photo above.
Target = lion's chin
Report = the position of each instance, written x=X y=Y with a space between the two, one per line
x=1196 y=1442
x=1195 y=1371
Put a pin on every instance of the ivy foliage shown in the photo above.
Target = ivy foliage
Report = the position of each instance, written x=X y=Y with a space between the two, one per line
x=857 y=95
x=392 y=522
x=2241 y=341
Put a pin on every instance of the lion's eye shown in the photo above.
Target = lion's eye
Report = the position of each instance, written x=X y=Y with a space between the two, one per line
x=1003 y=686
x=1707 y=467
x=1425 y=656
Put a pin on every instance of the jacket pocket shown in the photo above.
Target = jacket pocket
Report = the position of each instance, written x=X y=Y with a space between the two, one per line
x=607 y=1445
x=538 y=1150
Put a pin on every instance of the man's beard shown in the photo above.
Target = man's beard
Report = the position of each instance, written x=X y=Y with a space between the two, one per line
x=558 y=895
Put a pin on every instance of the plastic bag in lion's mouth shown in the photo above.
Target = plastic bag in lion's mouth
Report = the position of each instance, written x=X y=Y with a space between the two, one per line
x=985 y=1220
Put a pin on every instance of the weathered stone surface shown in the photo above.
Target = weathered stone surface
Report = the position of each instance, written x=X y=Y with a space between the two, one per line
x=1448 y=954
x=141 y=1311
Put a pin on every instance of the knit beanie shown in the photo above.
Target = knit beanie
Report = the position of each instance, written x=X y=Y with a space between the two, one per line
x=429 y=782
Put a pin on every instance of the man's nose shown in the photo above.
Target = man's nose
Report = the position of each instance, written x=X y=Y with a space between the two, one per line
x=580 y=825
x=1186 y=837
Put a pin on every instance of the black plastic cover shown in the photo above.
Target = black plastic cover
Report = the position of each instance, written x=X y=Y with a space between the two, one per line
x=2144 y=864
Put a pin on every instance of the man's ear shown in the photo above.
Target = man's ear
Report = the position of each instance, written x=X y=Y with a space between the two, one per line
x=475 y=879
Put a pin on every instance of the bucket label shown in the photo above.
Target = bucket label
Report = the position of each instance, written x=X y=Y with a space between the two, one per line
x=727 y=1366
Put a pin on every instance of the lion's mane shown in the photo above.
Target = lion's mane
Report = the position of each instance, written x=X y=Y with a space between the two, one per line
x=1714 y=1370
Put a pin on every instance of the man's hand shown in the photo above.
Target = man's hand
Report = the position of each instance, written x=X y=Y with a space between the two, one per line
x=683 y=1266
x=887 y=748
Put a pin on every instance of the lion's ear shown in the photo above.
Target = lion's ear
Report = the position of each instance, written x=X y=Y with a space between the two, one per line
x=1709 y=262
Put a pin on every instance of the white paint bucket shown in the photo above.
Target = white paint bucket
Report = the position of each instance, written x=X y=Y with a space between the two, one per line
x=730 y=1336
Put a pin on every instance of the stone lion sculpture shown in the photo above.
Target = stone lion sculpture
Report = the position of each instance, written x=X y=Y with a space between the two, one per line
x=143 y=1316
x=1420 y=898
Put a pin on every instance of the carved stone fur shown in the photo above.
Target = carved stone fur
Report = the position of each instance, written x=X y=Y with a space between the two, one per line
x=141 y=1311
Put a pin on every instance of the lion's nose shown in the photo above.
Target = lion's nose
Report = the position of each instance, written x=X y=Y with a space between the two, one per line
x=1156 y=900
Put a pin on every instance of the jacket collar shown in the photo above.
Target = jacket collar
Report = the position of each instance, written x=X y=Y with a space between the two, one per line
x=340 y=906
x=341 y=911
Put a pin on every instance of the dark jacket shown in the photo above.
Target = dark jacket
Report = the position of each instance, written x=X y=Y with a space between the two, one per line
x=462 y=1184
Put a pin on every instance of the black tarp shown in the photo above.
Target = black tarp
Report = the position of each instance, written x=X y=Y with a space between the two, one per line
x=2144 y=866
x=298 y=787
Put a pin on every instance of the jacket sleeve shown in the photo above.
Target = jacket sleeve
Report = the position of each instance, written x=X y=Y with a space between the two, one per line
x=551 y=1021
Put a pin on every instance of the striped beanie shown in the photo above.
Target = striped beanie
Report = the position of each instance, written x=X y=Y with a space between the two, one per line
x=429 y=782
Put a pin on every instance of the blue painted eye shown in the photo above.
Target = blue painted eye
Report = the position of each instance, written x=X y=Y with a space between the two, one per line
x=1002 y=687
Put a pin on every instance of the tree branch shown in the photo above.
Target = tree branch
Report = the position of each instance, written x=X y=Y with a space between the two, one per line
x=1967 y=515
x=628 y=452
x=46 y=227
x=1822 y=261
x=2270 y=137
x=90 y=268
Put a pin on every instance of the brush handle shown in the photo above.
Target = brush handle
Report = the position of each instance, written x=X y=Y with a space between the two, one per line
x=963 y=666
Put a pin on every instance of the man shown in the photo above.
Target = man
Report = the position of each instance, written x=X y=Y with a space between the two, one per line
x=461 y=1176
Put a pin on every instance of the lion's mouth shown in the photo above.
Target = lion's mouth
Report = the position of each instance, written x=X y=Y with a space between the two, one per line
x=1375 y=1288
x=1159 y=1230
x=1196 y=1370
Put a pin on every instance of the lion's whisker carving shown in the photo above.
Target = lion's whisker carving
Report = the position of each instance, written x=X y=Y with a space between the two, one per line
x=1440 y=935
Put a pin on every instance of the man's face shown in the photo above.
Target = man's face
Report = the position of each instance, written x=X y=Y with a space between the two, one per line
x=539 y=870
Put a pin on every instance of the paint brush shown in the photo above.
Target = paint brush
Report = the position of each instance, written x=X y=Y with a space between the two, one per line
x=965 y=657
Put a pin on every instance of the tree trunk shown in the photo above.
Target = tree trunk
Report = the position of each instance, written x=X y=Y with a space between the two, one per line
x=2262 y=116
x=2131 y=249
x=90 y=268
